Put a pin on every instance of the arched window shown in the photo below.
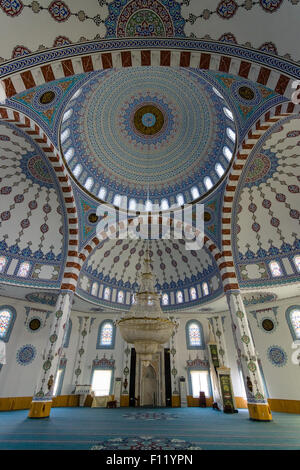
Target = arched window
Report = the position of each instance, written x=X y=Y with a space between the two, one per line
x=195 y=192
x=120 y=298
x=7 y=319
x=106 y=295
x=194 y=335
x=180 y=199
x=77 y=170
x=228 y=113
x=296 y=262
x=165 y=299
x=205 y=288
x=179 y=297
x=193 y=293
x=94 y=289
x=217 y=92
x=64 y=135
x=219 y=170
x=23 y=270
x=293 y=320
x=227 y=153
x=68 y=333
x=69 y=154
x=76 y=94
x=148 y=205
x=102 y=193
x=164 y=205
x=132 y=205
x=117 y=200
x=89 y=183
x=3 y=262
x=275 y=269
x=67 y=115
x=106 y=335
x=208 y=183
x=231 y=134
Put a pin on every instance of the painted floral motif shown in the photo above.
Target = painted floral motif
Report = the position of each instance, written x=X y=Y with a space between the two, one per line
x=270 y=5
x=26 y=354
x=277 y=356
x=227 y=8
x=19 y=51
x=268 y=47
x=59 y=11
x=228 y=37
x=11 y=7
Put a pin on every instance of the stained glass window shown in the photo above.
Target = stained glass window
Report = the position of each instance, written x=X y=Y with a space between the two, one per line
x=3 y=262
x=295 y=321
x=205 y=288
x=275 y=269
x=67 y=115
x=120 y=297
x=5 y=319
x=193 y=293
x=24 y=269
x=228 y=113
x=77 y=170
x=194 y=334
x=102 y=193
x=106 y=334
x=195 y=192
x=95 y=288
x=106 y=293
x=65 y=135
x=296 y=261
x=231 y=134
x=179 y=297
x=180 y=199
x=219 y=169
x=164 y=205
x=165 y=299
x=89 y=183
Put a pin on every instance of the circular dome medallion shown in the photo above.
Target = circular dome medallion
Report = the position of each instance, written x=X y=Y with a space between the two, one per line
x=47 y=97
x=148 y=120
x=155 y=128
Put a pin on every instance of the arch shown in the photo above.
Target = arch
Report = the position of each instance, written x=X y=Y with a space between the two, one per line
x=7 y=322
x=32 y=129
x=106 y=335
x=295 y=330
x=274 y=72
x=265 y=122
x=194 y=335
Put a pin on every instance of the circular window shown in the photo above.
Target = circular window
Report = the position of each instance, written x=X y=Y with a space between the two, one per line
x=34 y=324
x=268 y=324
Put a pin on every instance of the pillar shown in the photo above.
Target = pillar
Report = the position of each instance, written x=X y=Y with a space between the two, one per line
x=42 y=399
x=84 y=329
x=258 y=406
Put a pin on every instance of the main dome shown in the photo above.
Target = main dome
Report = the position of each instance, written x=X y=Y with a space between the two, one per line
x=147 y=133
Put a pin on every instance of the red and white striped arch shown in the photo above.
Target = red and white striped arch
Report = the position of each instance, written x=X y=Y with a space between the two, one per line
x=31 y=128
x=266 y=121
x=77 y=64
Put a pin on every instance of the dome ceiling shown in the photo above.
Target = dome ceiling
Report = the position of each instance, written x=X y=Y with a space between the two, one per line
x=266 y=220
x=117 y=264
x=155 y=129
x=31 y=213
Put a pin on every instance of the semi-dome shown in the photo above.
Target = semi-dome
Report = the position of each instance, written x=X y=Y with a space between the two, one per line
x=158 y=133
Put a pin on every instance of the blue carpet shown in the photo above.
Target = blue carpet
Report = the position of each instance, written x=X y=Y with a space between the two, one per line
x=129 y=428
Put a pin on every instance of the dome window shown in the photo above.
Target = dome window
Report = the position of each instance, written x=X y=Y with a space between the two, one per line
x=180 y=199
x=231 y=134
x=205 y=289
x=219 y=170
x=228 y=113
x=195 y=192
x=275 y=269
x=77 y=170
x=69 y=154
x=102 y=193
x=65 y=135
x=67 y=115
x=89 y=183
x=227 y=153
x=208 y=183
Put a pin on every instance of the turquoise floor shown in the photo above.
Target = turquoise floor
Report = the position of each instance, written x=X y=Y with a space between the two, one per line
x=128 y=428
